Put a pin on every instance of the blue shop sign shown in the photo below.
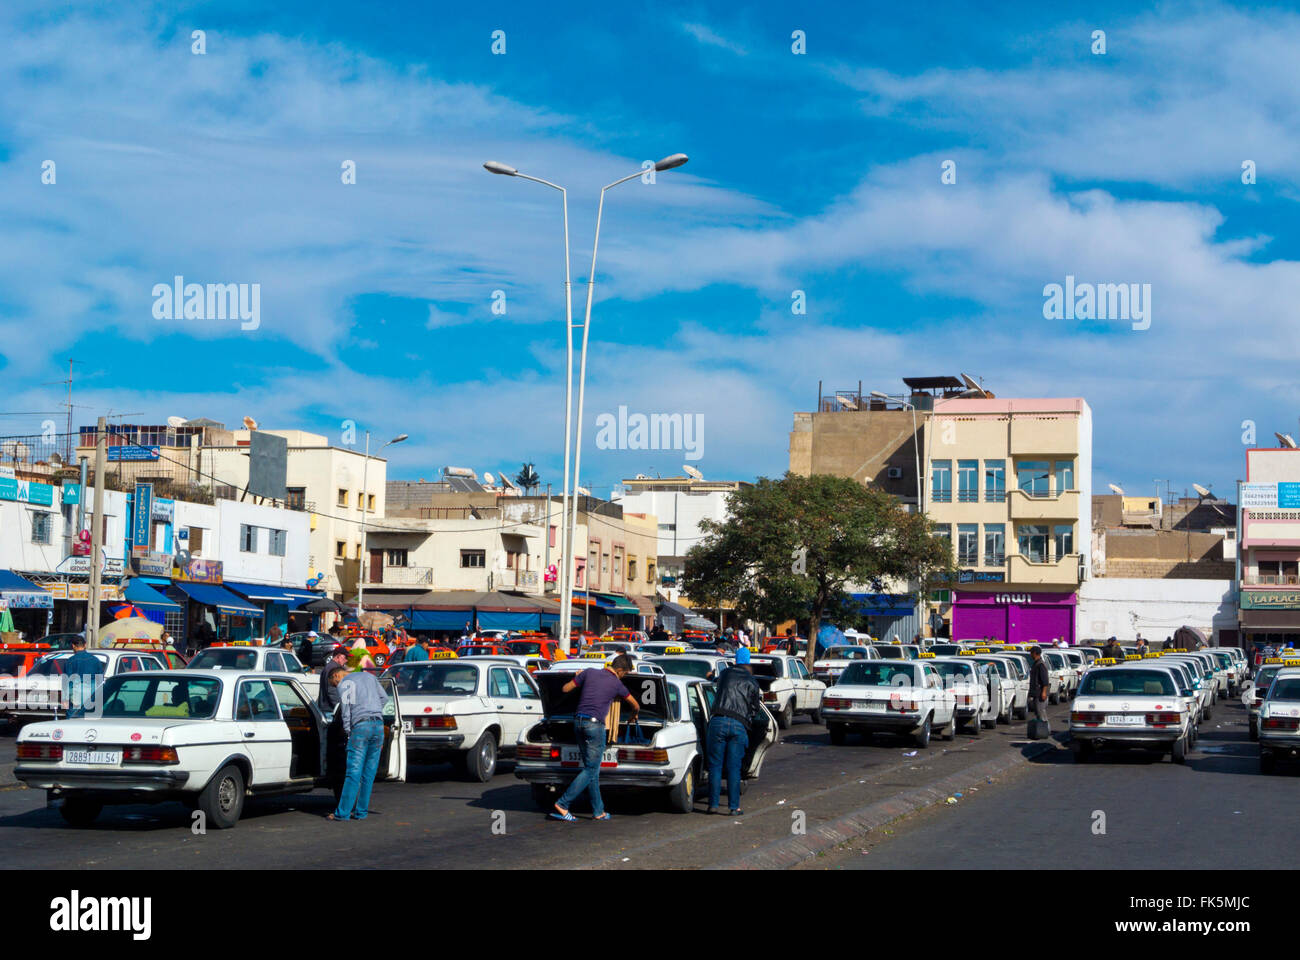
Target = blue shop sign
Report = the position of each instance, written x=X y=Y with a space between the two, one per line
x=26 y=491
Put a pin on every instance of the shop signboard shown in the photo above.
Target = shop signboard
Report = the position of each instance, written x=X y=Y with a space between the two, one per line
x=163 y=510
x=1288 y=496
x=1270 y=600
x=71 y=493
x=1259 y=496
x=26 y=491
x=197 y=571
x=141 y=515
x=153 y=564
x=980 y=576
x=129 y=452
x=108 y=592
x=79 y=566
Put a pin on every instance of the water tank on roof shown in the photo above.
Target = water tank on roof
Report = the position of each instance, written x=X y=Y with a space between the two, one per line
x=922 y=401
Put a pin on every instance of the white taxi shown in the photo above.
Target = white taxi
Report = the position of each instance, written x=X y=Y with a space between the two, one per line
x=663 y=750
x=1206 y=684
x=1254 y=691
x=259 y=659
x=788 y=688
x=42 y=692
x=1061 y=673
x=685 y=662
x=834 y=659
x=1279 y=720
x=1130 y=704
x=1010 y=687
x=971 y=683
x=466 y=710
x=205 y=738
x=890 y=696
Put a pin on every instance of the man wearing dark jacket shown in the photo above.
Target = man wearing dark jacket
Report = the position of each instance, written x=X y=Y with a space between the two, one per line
x=738 y=702
x=1039 y=683
x=1113 y=650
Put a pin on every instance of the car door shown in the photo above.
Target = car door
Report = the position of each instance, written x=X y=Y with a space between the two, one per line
x=528 y=697
x=392 y=762
x=504 y=697
x=264 y=732
x=803 y=697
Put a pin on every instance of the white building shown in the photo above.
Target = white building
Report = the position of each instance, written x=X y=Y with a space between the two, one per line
x=1123 y=607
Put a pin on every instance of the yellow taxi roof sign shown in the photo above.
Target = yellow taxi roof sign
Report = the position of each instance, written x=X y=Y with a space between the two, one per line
x=966 y=653
x=983 y=650
x=1272 y=659
x=594 y=655
x=1105 y=661
x=674 y=649
x=1150 y=656
x=926 y=655
x=441 y=655
x=1291 y=662
x=1132 y=656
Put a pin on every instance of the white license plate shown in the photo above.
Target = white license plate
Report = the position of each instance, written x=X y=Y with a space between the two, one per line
x=872 y=706
x=407 y=726
x=93 y=756
x=1123 y=720
x=571 y=755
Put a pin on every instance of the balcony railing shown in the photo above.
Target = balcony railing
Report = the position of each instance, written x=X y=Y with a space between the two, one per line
x=402 y=576
x=1271 y=580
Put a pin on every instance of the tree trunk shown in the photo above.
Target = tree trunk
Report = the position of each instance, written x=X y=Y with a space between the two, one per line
x=814 y=625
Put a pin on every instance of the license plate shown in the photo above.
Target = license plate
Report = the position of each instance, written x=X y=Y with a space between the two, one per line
x=571 y=755
x=1123 y=720
x=93 y=756
x=407 y=726
x=873 y=706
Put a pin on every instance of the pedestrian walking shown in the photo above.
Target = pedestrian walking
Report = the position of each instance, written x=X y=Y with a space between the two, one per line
x=273 y=638
x=598 y=689
x=738 y=702
x=1039 y=683
x=361 y=707
x=305 y=652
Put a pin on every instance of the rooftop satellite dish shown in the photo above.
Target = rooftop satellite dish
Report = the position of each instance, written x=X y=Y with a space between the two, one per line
x=1285 y=439
x=55 y=459
x=642 y=476
x=174 y=422
x=1116 y=489
x=1200 y=490
x=692 y=472
x=583 y=492
x=487 y=478
x=250 y=423
x=972 y=385
x=506 y=482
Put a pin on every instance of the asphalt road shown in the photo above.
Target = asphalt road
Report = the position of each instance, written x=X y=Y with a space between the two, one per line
x=438 y=820
x=1214 y=813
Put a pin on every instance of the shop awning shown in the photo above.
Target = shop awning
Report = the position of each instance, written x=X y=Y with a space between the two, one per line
x=143 y=595
x=884 y=604
x=20 y=593
x=211 y=595
x=616 y=603
x=289 y=596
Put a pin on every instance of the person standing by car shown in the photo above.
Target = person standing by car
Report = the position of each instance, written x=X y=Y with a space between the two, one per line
x=85 y=675
x=1039 y=682
x=418 y=650
x=1112 y=650
x=597 y=690
x=361 y=706
x=738 y=702
x=1141 y=647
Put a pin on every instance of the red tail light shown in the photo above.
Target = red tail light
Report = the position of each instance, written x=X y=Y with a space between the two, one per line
x=150 y=755
x=40 y=751
x=433 y=723
x=1163 y=719
x=769 y=697
x=642 y=755
x=531 y=751
x=1281 y=723
x=836 y=703
x=1088 y=719
x=903 y=706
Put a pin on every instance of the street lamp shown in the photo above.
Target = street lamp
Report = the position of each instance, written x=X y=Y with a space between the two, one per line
x=570 y=505
x=361 y=560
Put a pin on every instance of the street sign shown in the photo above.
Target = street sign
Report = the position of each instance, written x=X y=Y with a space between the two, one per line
x=141 y=516
x=128 y=452
x=80 y=566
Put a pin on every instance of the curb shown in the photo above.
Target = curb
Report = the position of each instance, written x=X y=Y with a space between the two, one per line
x=784 y=854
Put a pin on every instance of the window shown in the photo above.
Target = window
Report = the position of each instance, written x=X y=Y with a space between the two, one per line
x=1034 y=478
x=247 y=538
x=1033 y=543
x=274 y=663
x=1063 y=535
x=1064 y=476
x=631 y=568
x=42 y=523
x=396 y=558
x=968 y=481
x=343 y=498
x=941 y=481
x=473 y=558
x=667 y=526
x=995 y=481
x=256 y=701
x=510 y=559
x=525 y=684
x=196 y=540
x=968 y=543
x=358 y=550
x=500 y=684
x=361 y=500
x=340 y=549
x=995 y=544
x=370 y=502
x=604 y=563
x=649 y=572
x=279 y=538
x=551 y=535
x=943 y=530
x=295 y=498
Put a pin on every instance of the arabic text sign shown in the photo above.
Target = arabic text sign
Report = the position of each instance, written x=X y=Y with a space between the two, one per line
x=26 y=491
x=140 y=518
x=130 y=451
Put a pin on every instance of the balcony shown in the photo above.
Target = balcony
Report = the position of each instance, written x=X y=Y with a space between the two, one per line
x=1270 y=580
x=1063 y=506
x=529 y=580
x=1044 y=435
x=1064 y=571
x=401 y=577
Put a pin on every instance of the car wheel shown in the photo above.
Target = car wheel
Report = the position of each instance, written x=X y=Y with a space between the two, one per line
x=950 y=731
x=1005 y=716
x=380 y=660
x=544 y=796
x=785 y=717
x=1267 y=762
x=816 y=717
x=222 y=800
x=1178 y=754
x=1209 y=713
x=922 y=736
x=481 y=760
x=1053 y=698
x=681 y=798
x=838 y=733
x=80 y=811
x=973 y=725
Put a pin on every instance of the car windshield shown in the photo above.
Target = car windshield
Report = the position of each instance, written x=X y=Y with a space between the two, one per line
x=686 y=667
x=438 y=678
x=1127 y=683
x=224 y=658
x=847 y=653
x=1265 y=677
x=944 y=649
x=58 y=666
x=954 y=669
x=156 y=695
x=999 y=666
x=11 y=663
x=1056 y=660
x=878 y=673
x=525 y=647
x=1288 y=688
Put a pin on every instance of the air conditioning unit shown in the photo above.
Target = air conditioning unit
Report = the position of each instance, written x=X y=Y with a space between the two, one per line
x=895 y=473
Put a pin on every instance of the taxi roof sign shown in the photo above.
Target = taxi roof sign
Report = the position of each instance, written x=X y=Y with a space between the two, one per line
x=965 y=653
x=1150 y=656
x=1291 y=662
x=674 y=649
x=926 y=655
x=441 y=655
x=1132 y=656
x=1105 y=661
x=983 y=650
x=1272 y=659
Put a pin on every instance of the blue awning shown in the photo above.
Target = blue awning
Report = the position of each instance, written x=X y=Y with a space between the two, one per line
x=440 y=619
x=143 y=595
x=211 y=595
x=885 y=604
x=504 y=620
x=289 y=596
x=21 y=593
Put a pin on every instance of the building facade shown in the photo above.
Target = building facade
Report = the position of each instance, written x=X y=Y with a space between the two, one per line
x=1269 y=548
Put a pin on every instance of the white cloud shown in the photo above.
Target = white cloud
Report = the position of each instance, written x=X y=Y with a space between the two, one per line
x=710 y=38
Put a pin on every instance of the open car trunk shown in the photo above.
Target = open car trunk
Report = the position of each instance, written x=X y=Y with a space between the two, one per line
x=650 y=691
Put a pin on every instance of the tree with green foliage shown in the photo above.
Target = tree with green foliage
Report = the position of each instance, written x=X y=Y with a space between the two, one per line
x=792 y=548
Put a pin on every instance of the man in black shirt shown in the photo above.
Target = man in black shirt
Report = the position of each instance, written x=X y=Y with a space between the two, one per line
x=738 y=702
x=1039 y=683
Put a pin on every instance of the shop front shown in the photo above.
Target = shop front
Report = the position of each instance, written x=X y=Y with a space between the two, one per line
x=889 y=615
x=1269 y=617
x=29 y=606
x=197 y=586
x=281 y=606
x=1014 y=617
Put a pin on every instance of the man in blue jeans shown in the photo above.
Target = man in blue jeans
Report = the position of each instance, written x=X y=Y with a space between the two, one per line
x=599 y=688
x=737 y=704
x=361 y=705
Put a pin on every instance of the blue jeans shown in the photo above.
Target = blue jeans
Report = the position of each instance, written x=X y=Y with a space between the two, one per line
x=727 y=739
x=364 y=747
x=591 y=747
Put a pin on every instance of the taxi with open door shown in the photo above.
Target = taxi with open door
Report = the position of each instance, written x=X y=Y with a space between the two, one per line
x=258 y=658
x=1130 y=704
x=663 y=750
x=206 y=738
x=1011 y=691
x=907 y=697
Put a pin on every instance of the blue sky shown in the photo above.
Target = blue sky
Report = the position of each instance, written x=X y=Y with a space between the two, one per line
x=817 y=172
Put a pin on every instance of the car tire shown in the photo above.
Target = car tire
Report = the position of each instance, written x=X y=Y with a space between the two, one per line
x=380 y=660
x=480 y=761
x=1209 y=713
x=222 y=800
x=1005 y=716
x=1178 y=752
x=973 y=726
x=785 y=717
x=1053 y=698
x=544 y=796
x=922 y=736
x=816 y=717
x=950 y=731
x=80 y=811
x=681 y=798
x=838 y=734
x=1267 y=762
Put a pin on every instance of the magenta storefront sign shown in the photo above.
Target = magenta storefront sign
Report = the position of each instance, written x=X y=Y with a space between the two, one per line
x=1014 y=617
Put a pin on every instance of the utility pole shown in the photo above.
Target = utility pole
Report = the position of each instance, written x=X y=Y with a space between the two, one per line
x=546 y=564
x=96 y=533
